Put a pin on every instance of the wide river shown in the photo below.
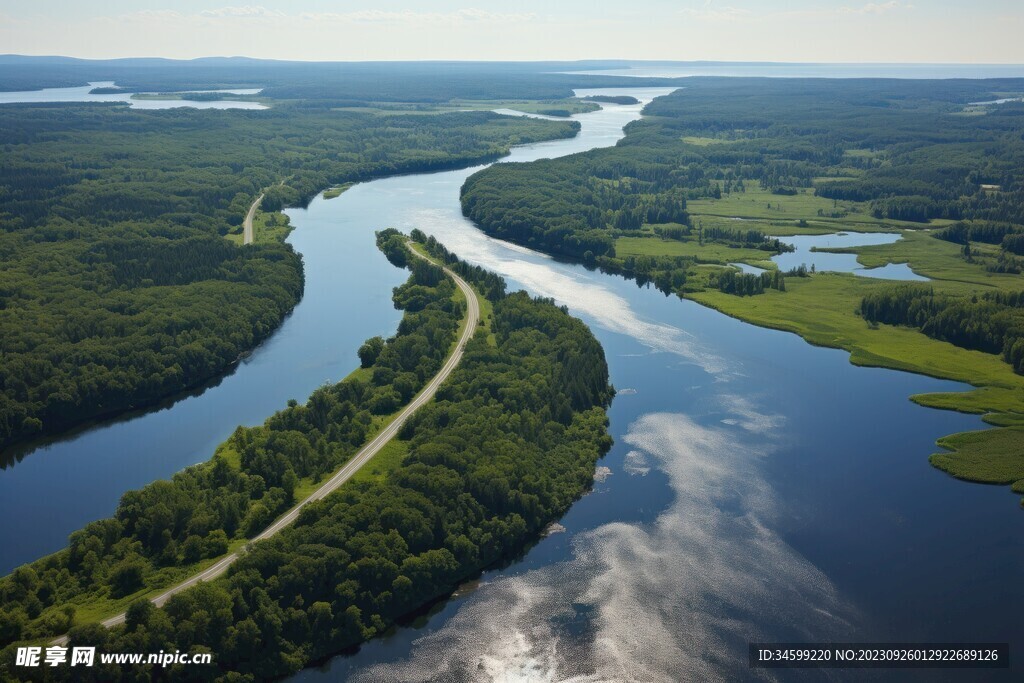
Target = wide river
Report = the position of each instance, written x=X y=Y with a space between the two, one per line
x=759 y=489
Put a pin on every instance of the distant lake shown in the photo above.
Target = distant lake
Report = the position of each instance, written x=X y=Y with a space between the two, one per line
x=818 y=70
x=1003 y=100
x=83 y=94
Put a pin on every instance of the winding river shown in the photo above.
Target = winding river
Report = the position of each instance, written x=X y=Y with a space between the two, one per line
x=759 y=488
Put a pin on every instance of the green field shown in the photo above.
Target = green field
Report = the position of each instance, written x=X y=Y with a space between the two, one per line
x=763 y=208
x=267 y=227
x=938 y=260
x=709 y=252
x=823 y=310
x=704 y=142
x=991 y=456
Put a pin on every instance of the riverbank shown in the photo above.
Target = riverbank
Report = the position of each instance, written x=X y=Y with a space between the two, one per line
x=693 y=190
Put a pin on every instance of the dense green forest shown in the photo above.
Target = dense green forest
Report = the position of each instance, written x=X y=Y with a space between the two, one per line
x=508 y=443
x=905 y=148
x=250 y=482
x=716 y=167
x=118 y=288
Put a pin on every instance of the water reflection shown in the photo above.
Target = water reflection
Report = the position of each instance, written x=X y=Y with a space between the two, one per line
x=741 y=489
x=669 y=601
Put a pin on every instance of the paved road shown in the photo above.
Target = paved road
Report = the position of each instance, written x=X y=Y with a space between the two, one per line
x=350 y=468
x=247 y=235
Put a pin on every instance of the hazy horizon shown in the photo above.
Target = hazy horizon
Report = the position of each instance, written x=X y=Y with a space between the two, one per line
x=822 y=32
x=624 y=61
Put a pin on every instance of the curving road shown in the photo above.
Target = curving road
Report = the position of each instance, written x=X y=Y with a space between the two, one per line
x=247 y=234
x=352 y=466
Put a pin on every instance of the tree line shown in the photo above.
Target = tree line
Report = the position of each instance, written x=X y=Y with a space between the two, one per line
x=993 y=323
x=748 y=284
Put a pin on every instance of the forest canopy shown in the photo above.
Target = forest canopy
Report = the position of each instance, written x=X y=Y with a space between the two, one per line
x=119 y=288
x=508 y=443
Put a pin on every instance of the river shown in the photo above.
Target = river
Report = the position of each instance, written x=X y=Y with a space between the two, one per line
x=759 y=488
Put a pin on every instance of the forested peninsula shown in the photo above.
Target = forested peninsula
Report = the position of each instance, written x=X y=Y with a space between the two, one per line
x=119 y=287
x=613 y=99
x=508 y=443
x=723 y=170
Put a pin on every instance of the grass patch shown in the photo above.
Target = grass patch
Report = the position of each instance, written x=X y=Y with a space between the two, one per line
x=936 y=259
x=486 y=317
x=778 y=227
x=267 y=226
x=861 y=154
x=337 y=191
x=388 y=459
x=991 y=456
x=823 y=310
x=759 y=203
x=705 y=142
x=270 y=226
x=361 y=374
x=709 y=252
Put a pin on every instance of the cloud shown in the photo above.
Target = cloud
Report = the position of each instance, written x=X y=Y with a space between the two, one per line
x=673 y=600
x=711 y=13
x=876 y=8
x=146 y=15
x=456 y=17
x=461 y=17
x=244 y=11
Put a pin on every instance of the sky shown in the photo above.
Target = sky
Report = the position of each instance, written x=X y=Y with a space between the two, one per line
x=921 y=31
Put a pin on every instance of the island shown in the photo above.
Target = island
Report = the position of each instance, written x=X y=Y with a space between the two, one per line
x=613 y=99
